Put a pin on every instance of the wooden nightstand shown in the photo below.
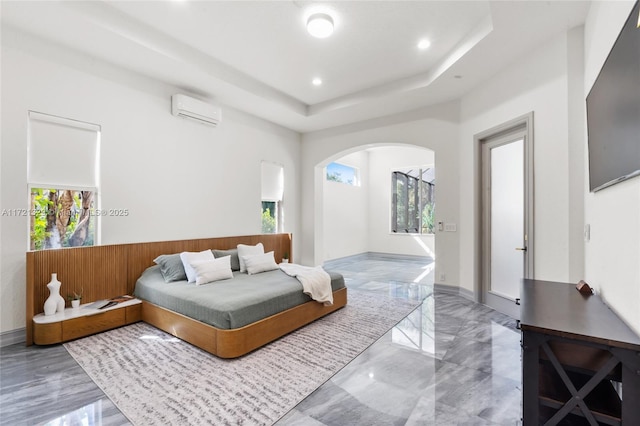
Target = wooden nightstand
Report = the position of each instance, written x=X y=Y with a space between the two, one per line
x=83 y=321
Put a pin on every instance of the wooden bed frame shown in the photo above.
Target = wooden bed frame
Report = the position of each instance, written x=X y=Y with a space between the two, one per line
x=104 y=272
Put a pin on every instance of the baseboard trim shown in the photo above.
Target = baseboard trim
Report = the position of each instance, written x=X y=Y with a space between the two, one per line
x=379 y=255
x=364 y=255
x=12 y=337
x=444 y=288
x=467 y=294
x=458 y=291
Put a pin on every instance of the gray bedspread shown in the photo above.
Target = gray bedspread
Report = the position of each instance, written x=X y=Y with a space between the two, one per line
x=227 y=304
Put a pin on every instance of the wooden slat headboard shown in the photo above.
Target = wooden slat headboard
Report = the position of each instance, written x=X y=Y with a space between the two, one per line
x=103 y=272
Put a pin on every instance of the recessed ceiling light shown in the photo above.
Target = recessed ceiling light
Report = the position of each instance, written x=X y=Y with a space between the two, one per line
x=316 y=82
x=424 y=44
x=320 y=25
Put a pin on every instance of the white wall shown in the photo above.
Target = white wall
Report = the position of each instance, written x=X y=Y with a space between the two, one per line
x=346 y=217
x=198 y=181
x=612 y=256
x=357 y=219
x=434 y=128
x=178 y=179
x=382 y=161
x=538 y=83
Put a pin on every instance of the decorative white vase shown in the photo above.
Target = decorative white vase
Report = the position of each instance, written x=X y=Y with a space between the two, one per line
x=55 y=302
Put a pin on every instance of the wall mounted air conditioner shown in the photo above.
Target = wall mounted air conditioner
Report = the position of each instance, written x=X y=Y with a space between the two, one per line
x=188 y=107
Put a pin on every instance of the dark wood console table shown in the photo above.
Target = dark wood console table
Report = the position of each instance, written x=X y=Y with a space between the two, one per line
x=580 y=362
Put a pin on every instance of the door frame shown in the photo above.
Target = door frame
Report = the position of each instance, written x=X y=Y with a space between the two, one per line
x=523 y=125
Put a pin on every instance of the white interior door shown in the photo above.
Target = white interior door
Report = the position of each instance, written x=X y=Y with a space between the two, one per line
x=504 y=221
x=507 y=219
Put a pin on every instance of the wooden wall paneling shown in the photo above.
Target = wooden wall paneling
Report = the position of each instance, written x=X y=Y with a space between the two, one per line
x=140 y=255
x=107 y=271
x=30 y=311
x=108 y=277
x=96 y=271
x=208 y=244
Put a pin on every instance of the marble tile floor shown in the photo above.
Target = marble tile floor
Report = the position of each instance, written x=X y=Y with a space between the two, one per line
x=449 y=362
x=45 y=385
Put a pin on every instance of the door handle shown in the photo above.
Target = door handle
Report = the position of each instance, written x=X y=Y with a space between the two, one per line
x=521 y=248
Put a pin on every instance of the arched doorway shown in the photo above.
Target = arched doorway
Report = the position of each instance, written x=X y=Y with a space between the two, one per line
x=354 y=212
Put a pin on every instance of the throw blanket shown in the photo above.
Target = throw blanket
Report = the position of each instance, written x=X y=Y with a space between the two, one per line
x=315 y=281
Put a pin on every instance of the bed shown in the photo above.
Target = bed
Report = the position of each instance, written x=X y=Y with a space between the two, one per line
x=114 y=270
x=227 y=304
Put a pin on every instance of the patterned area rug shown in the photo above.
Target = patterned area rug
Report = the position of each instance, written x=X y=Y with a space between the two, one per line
x=154 y=378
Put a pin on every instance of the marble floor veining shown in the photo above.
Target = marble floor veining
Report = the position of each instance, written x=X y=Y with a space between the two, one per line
x=449 y=362
x=46 y=386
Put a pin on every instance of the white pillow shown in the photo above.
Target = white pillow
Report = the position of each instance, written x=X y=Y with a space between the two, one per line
x=189 y=257
x=213 y=270
x=260 y=263
x=245 y=250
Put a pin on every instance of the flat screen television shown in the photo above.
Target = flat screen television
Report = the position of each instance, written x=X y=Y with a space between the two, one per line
x=613 y=111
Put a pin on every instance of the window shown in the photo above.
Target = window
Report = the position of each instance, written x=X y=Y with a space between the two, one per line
x=337 y=172
x=62 y=164
x=270 y=217
x=413 y=200
x=272 y=192
x=62 y=218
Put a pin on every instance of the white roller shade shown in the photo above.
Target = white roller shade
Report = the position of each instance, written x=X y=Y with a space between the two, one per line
x=62 y=152
x=272 y=181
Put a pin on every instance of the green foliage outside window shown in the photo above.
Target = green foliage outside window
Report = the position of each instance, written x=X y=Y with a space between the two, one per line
x=336 y=172
x=412 y=202
x=61 y=218
x=268 y=218
x=334 y=177
x=428 y=215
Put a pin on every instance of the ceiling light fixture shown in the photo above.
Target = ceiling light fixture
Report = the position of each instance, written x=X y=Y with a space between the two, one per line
x=320 y=25
x=316 y=82
x=424 y=44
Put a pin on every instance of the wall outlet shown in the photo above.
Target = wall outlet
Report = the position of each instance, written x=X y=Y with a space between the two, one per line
x=443 y=277
x=450 y=227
